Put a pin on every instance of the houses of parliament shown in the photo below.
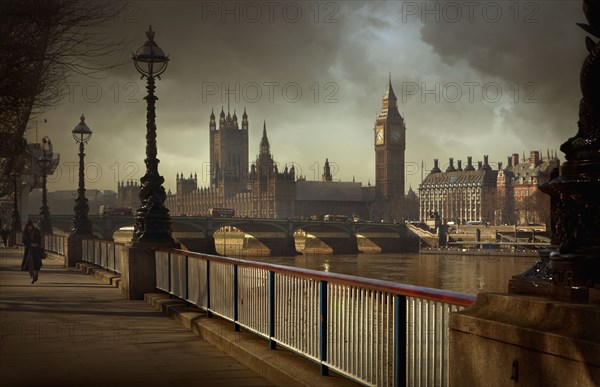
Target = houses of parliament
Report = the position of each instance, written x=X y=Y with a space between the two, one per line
x=261 y=190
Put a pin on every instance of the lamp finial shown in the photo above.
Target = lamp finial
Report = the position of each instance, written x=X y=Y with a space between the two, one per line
x=150 y=33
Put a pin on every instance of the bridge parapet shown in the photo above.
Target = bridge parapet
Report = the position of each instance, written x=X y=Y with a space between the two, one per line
x=197 y=233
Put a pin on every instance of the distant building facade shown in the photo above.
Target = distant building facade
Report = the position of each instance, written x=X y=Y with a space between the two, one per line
x=128 y=195
x=261 y=190
x=523 y=203
x=503 y=196
x=62 y=202
x=459 y=195
x=270 y=193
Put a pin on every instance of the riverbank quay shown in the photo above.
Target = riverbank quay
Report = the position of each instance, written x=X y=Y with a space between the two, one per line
x=68 y=329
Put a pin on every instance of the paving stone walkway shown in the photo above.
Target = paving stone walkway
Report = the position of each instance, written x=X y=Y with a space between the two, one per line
x=69 y=329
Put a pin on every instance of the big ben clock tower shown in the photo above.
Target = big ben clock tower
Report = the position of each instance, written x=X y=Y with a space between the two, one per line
x=390 y=143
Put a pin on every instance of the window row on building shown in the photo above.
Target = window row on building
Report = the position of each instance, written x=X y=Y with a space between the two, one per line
x=497 y=196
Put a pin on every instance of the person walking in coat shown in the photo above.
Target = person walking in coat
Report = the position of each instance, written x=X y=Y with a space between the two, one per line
x=32 y=258
x=5 y=233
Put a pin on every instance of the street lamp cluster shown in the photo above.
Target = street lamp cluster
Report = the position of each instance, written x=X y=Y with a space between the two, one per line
x=152 y=220
x=45 y=224
x=81 y=224
x=46 y=158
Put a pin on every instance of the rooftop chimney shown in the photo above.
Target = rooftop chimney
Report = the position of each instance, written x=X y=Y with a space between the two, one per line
x=459 y=167
x=436 y=168
x=508 y=162
x=500 y=165
x=515 y=159
x=479 y=165
x=534 y=157
x=451 y=166
x=469 y=166
x=486 y=164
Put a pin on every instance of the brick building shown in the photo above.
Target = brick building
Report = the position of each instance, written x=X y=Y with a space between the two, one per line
x=503 y=196
x=522 y=202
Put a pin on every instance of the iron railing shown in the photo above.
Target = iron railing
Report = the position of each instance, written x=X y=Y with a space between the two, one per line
x=55 y=243
x=375 y=332
x=106 y=254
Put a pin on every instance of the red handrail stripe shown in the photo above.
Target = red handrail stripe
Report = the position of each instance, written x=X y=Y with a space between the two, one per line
x=445 y=296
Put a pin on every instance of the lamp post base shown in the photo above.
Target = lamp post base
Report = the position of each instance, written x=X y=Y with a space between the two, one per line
x=153 y=228
x=567 y=277
x=73 y=252
x=138 y=268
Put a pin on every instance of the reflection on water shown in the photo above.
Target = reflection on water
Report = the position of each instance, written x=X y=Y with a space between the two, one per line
x=459 y=273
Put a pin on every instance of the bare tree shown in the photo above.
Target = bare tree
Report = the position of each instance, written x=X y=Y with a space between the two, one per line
x=42 y=44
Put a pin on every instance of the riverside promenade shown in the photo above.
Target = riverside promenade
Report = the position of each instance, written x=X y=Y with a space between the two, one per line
x=70 y=329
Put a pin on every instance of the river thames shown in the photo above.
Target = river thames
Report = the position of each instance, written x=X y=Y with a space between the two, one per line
x=460 y=273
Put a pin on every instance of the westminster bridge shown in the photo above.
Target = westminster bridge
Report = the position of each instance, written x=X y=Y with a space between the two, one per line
x=198 y=233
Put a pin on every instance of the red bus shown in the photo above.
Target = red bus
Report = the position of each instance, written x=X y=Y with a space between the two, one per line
x=222 y=212
x=335 y=218
x=108 y=210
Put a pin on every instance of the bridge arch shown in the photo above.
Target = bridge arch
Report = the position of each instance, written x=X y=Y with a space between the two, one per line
x=379 y=238
x=271 y=235
x=328 y=237
x=112 y=225
x=192 y=236
x=363 y=227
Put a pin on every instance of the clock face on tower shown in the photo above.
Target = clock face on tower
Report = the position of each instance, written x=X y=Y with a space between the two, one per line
x=396 y=136
x=379 y=136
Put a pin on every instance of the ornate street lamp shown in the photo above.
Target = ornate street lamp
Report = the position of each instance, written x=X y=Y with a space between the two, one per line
x=81 y=224
x=45 y=224
x=152 y=220
x=573 y=271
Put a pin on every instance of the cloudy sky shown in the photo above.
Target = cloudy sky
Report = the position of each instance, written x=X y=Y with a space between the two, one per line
x=472 y=78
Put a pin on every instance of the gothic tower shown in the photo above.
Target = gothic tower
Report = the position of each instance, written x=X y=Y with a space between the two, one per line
x=228 y=153
x=264 y=162
x=390 y=144
x=326 y=176
x=263 y=174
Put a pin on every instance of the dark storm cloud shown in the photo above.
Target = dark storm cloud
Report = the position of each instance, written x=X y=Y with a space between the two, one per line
x=532 y=43
x=345 y=56
x=206 y=51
